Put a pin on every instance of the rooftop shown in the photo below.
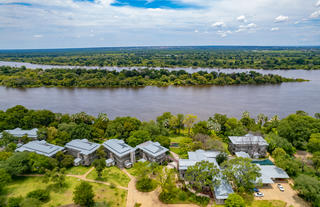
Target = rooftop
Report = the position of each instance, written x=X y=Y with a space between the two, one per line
x=223 y=190
x=17 y=132
x=83 y=145
x=270 y=172
x=118 y=147
x=248 y=139
x=198 y=156
x=152 y=148
x=40 y=147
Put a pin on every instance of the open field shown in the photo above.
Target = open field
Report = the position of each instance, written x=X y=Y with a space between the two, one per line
x=79 y=170
x=112 y=175
x=23 y=185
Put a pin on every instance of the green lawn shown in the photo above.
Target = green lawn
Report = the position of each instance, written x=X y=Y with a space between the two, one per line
x=111 y=175
x=272 y=203
x=23 y=185
x=79 y=170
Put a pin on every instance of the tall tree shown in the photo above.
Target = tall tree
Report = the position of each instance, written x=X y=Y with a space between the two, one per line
x=241 y=173
x=83 y=195
x=188 y=121
x=203 y=175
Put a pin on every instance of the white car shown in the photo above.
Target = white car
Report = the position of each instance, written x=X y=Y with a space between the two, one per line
x=281 y=188
x=258 y=194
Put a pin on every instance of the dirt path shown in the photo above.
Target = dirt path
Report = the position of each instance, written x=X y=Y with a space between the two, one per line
x=84 y=177
x=146 y=199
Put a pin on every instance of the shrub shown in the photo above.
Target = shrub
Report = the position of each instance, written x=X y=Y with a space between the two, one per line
x=15 y=201
x=234 y=200
x=146 y=185
x=40 y=194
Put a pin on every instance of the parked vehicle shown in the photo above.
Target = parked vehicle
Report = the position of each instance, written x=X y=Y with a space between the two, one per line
x=256 y=190
x=281 y=188
x=258 y=194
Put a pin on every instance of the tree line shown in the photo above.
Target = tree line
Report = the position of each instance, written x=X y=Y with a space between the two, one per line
x=208 y=57
x=26 y=78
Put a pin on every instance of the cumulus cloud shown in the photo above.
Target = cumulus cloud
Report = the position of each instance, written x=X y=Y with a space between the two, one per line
x=318 y=4
x=218 y=24
x=196 y=31
x=315 y=14
x=281 y=19
x=245 y=27
x=274 y=29
x=242 y=18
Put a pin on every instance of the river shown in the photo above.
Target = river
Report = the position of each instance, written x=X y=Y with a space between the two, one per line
x=149 y=102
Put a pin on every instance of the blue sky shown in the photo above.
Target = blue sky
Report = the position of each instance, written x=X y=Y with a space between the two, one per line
x=101 y=23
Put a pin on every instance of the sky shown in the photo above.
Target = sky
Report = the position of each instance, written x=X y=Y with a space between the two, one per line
x=31 y=24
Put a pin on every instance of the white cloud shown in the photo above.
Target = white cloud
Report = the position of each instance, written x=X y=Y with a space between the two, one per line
x=218 y=24
x=224 y=33
x=274 y=29
x=242 y=18
x=245 y=27
x=37 y=36
x=281 y=19
x=196 y=31
x=315 y=14
x=318 y=4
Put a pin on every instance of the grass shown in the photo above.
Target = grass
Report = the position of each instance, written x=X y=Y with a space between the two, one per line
x=79 y=170
x=112 y=175
x=23 y=185
x=271 y=203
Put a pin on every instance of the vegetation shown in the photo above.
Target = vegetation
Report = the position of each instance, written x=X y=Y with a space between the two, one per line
x=210 y=57
x=112 y=175
x=27 y=78
x=203 y=175
x=83 y=195
x=241 y=173
x=235 y=200
x=182 y=133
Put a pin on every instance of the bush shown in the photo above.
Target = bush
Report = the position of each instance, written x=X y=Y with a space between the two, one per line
x=30 y=202
x=41 y=195
x=15 y=201
x=234 y=200
x=146 y=185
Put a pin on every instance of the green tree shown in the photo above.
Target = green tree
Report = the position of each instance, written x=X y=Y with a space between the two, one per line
x=188 y=121
x=83 y=195
x=234 y=200
x=138 y=137
x=222 y=157
x=314 y=143
x=99 y=165
x=201 y=128
x=308 y=188
x=5 y=178
x=40 y=194
x=241 y=173
x=15 y=201
x=101 y=153
x=275 y=141
x=6 y=139
x=203 y=175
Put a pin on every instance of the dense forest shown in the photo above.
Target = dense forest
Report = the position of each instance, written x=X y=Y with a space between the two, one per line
x=24 y=78
x=298 y=131
x=307 y=58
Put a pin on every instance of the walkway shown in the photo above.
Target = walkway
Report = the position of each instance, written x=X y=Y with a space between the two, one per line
x=146 y=199
x=84 y=177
